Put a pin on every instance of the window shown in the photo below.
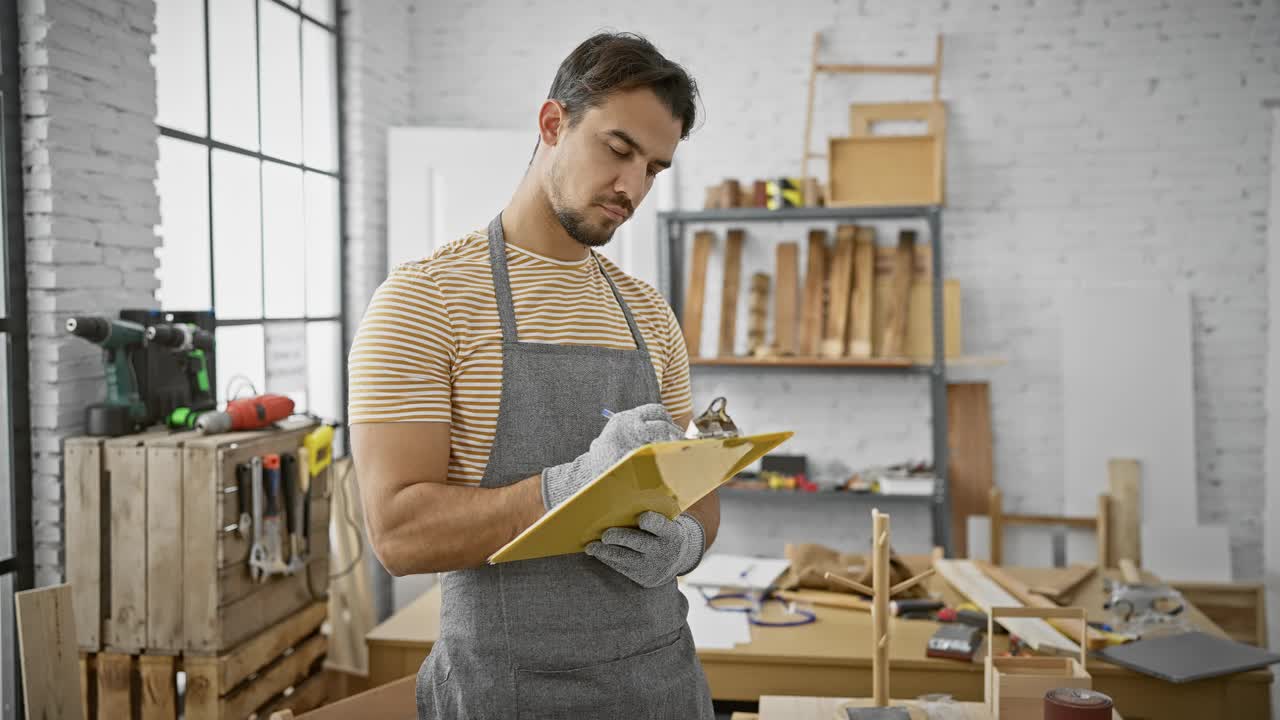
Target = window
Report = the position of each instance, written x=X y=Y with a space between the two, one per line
x=250 y=188
x=16 y=560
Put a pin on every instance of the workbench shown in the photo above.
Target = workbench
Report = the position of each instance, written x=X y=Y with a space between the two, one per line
x=832 y=658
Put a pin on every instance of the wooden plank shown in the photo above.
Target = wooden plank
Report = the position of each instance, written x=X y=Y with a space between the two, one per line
x=309 y=694
x=86 y=548
x=1060 y=588
x=126 y=467
x=894 y=339
x=1124 y=481
x=1129 y=571
x=258 y=652
x=784 y=308
x=815 y=281
x=970 y=459
x=1240 y=609
x=1103 y=539
x=159 y=690
x=920 y=320
x=886 y=259
x=164 y=556
x=1068 y=623
x=275 y=679
x=864 y=270
x=115 y=682
x=757 y=314
x=841 y=289
x=995 y=514
x=695 y=292
x=729 y=291
x=88 y=685
x=968 y=579
x=47 y=645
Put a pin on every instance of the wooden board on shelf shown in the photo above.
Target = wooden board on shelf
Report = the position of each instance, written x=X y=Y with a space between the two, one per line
x=894 y=339
x=729 y=291
x=815 y=281
x=784 y=309
x=969 y=452
x=757 y=316
x=920 y=320
x=840 y=293
x=695 y=294
x=860 y=312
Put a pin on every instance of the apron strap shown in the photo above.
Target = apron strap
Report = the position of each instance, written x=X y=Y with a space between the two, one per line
x=501 y=280
x=626 y=310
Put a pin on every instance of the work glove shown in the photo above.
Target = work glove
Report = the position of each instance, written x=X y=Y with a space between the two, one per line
x=624 y=432
x=655 y=554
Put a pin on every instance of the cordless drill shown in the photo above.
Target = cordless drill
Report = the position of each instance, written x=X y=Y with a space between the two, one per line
x=123 y=411
x=191 y=342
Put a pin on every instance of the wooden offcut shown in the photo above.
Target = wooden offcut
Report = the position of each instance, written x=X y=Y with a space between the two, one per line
x=969 y=580
x=970 y=456
x=695 y=294
x=920 y=320
x=1124 y=479
x=1069 y=626
x=784 y=309
x=47 y=645
x=1060 y=588
x=840 y=292
x=815 y=280
x=86 y=541
x=893 y=342
x=729 y=291
x=157 y=687
x=757 y=314
x=861 y=312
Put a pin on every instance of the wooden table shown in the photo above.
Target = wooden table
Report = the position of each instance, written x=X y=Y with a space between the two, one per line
x=832 y=658
x=822 y=708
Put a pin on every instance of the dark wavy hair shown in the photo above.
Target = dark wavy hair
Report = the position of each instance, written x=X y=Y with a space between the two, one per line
x=614 y=62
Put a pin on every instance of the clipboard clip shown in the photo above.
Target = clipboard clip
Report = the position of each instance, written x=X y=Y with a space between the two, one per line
x=715 y=422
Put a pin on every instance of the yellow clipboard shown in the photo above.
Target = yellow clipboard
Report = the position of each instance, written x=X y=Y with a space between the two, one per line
x=666 y=477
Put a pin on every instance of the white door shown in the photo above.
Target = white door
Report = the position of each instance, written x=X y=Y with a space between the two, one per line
x=445 y=182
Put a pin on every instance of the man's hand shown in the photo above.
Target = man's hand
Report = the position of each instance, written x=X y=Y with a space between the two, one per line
x=655 y=554
x=624 y=432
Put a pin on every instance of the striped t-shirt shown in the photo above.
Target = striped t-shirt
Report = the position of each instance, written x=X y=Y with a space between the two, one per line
x=429 y=348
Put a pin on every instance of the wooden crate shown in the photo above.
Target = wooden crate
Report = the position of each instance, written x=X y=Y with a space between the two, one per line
x=882 y=171
x=1015 y=686
x=281 y=668
x=222 y=606
x=1240 y=609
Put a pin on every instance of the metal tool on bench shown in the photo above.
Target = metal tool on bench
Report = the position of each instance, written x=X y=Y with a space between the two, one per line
x=244 y=498
x=1137 y=608
x=715 y=422
x=258 y=551
x=275 y=564
x=296 y=495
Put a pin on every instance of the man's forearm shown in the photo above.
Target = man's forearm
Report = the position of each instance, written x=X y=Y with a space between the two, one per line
x=435 y=527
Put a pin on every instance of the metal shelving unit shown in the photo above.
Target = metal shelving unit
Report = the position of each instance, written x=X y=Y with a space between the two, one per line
x=672 y=227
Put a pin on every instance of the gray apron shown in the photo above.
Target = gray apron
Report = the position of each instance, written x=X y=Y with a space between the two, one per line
x=567 y=636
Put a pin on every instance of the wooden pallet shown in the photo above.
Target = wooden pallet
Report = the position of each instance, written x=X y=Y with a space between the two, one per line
x=281 y=668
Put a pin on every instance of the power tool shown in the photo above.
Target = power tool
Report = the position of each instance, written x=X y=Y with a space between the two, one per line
x=123 y=411
x=252 y=413
x=190 y=343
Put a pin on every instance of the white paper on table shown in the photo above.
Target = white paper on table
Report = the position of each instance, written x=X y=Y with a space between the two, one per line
x=714 y=629
x=739 y=571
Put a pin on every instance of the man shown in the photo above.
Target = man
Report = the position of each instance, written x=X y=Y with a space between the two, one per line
x=478 y=381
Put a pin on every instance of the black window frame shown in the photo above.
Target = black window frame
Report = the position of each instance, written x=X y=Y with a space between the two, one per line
x=14 y=323
x=339 y=175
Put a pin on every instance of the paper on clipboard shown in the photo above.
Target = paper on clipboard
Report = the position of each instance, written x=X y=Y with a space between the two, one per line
x=666 y=477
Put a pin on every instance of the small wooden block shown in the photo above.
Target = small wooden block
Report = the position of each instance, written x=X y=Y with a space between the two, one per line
x=1124 y=478
x=695 y=294
x=729 y=292
x=784 y=315
x=115 y=682
x=159 y=696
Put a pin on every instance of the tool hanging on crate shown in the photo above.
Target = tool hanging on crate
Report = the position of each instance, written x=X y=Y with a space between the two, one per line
x=258 y=564
x=123 y=411
x=253 y=413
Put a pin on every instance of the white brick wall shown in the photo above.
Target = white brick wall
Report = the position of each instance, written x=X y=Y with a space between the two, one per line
x=1089 y=143
x=378 y=47
x=89 y=154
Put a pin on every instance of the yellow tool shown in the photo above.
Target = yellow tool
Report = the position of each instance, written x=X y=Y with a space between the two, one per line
x=319 y=447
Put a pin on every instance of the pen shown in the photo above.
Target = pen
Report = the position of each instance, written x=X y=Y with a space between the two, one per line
x=606 y=412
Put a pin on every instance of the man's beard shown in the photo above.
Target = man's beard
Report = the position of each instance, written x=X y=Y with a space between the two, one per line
x=574 y=221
